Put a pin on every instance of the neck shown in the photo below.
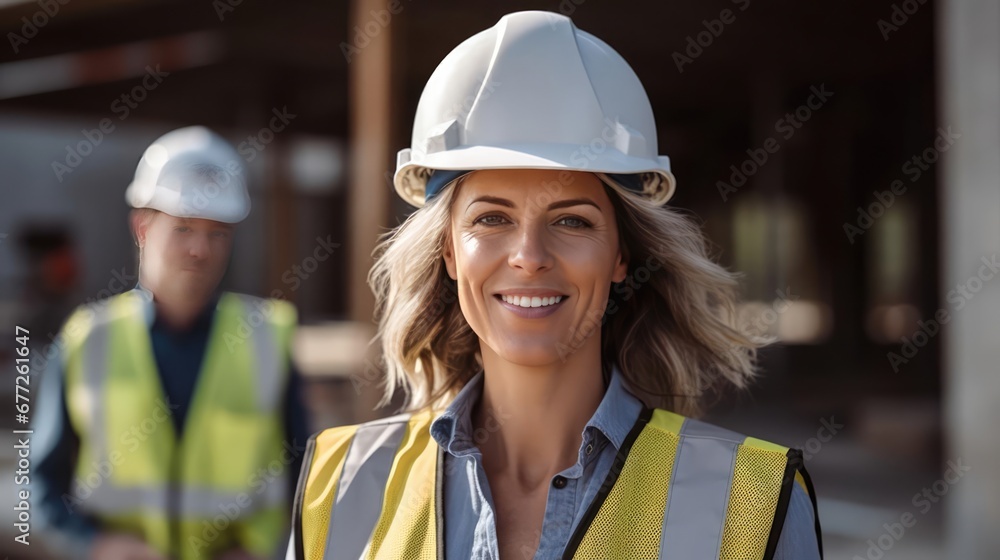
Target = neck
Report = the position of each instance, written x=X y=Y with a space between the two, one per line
x=178 y=309
x=535 y=415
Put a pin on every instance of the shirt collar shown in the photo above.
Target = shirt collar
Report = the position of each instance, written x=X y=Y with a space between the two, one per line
x=148 y=309
x=453 y=428
x=618 y=411
x=613 y=418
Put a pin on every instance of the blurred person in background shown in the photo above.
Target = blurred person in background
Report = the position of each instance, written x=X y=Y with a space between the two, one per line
x=555 y=328
x=170 y=425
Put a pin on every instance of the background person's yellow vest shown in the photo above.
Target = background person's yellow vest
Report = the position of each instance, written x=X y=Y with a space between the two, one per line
x=191 y=497
x=679 y=489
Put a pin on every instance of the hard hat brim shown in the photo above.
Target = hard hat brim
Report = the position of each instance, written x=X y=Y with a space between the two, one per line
x=170 y=202
x=411 y=174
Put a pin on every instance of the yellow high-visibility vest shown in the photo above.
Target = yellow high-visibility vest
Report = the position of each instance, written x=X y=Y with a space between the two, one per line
x=679 y=489
x=221 y=484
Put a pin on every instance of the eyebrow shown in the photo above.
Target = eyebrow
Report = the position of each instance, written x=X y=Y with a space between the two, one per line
x=557 y=204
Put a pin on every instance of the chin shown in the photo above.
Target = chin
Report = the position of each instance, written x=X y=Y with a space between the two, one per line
x=532 y=353
x=192 y=282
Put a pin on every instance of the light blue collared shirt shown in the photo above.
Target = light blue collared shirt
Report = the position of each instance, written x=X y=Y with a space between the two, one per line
x=470 y=524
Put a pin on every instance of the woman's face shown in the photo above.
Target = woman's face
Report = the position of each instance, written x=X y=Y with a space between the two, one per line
x=534 y=253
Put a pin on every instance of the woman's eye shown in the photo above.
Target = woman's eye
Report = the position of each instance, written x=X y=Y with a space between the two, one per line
x=220 y=234
x=182 y=229
x=492 y=220
x=574 y=222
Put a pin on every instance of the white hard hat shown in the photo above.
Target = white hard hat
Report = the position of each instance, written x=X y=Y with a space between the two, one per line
x=191 y=173
x=533 y=91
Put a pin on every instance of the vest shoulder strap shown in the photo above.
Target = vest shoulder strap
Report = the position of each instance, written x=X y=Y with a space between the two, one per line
x=729 y=493
x=278 y=312
x=344 y=468
x=718 y=494
x=88 y=317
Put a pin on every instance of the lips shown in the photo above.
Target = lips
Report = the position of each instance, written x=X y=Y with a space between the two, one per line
x=531 y=311
x=531 y=301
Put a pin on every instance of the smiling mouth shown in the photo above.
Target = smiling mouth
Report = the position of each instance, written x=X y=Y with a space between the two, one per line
x=528 y=302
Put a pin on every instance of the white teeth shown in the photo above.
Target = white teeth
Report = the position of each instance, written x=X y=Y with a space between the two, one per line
x=527 y=301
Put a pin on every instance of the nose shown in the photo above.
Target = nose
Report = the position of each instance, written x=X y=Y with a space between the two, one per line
x=199 y=247
x=531 y=251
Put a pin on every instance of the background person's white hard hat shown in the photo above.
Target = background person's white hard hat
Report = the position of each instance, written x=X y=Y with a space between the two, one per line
x=191 y=172
x=534 y=91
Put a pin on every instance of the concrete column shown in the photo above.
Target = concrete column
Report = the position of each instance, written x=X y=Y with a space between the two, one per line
x=969 y=88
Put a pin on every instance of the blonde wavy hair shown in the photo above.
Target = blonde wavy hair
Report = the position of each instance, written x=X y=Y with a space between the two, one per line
x=671 y=326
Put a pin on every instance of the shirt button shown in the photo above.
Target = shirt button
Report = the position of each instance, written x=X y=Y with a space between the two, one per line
x=559 y=482
x=590 y=448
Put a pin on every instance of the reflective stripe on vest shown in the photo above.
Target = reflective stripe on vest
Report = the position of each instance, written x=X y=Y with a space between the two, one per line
x=196 y=500
x=135 y=475
x=699 y=492
x=366 y=470
x=689 y=498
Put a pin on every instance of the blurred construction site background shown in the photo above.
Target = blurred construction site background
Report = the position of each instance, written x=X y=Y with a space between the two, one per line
x=845 y=156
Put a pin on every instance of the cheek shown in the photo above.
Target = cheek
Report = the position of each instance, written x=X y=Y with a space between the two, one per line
x=220 y=251
x=475 y=260
x=475 y=264
x=156 y=245
x=172 y=247
x=593 y=260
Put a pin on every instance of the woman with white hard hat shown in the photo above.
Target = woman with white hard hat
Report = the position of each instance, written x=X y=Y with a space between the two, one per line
x=555 y=328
